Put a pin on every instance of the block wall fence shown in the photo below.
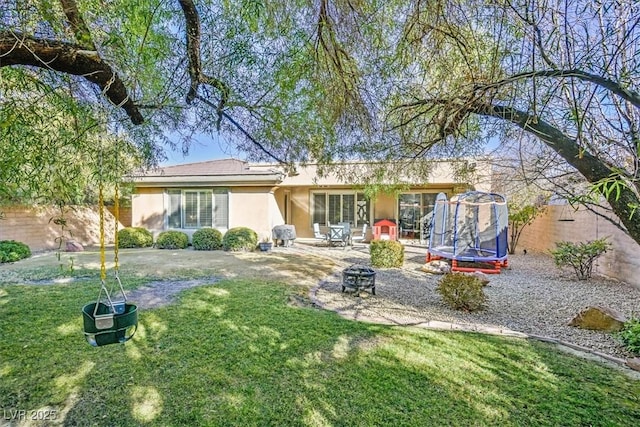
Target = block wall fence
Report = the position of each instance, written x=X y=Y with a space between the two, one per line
x=35 y=226
x=622 y=262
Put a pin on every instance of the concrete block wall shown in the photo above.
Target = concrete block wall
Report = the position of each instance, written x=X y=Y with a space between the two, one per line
x=622 y=262
x=34 y=226
x=124 y=215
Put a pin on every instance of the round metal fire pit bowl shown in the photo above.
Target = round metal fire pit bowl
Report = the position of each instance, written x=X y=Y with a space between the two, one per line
x=358 y=278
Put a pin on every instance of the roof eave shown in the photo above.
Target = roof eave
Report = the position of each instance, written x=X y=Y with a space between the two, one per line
x=204 y=180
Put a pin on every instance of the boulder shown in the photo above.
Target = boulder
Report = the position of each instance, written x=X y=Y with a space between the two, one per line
x=599 y=319
x=483 y=277
x=436 y=267
x=73 y=246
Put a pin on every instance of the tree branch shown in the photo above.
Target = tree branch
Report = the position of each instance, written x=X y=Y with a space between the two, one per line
x=244 y=132
x=193 y=35
x=592 y=168
x=79 y=27
x=19 y=49
x=613 y=86
x=537 y=39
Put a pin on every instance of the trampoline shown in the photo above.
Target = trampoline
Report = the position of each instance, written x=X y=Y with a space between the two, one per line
x=470 y=228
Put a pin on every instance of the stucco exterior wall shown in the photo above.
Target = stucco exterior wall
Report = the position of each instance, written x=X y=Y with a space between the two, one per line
x=622 y=262
x=300 y=215
x=254 y=207
x=442 y=173
x=384 y=207
x=124 y=215
x=257 y=205
x=148 y=209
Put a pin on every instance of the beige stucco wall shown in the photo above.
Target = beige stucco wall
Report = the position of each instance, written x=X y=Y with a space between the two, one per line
x=442 y=173
x=253 y=207
x=622 y=262
x=384 y=206
x=300 y=214
x=148 y=209
x=261 y=208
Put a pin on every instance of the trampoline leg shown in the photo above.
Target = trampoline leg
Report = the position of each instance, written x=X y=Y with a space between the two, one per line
x=432 y=257
x=494 y=270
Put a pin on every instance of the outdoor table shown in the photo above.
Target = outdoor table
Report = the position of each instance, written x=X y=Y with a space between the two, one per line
x=338 y=235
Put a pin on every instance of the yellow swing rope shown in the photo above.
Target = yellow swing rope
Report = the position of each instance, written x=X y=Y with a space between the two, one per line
x=116 y=224
x=103 y=262
x=116 y=215
x=103 y=267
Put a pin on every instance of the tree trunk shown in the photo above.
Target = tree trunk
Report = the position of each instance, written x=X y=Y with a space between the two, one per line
x=592 y=168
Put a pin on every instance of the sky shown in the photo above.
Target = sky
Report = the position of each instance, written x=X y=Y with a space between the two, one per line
x=203 y=148
x=206 y=147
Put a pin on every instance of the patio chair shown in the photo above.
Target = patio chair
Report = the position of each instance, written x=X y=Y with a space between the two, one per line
x=346 y=233
x=318 y=235
x=361 y=238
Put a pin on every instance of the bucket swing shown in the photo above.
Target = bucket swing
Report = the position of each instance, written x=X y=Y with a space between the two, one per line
x=110 y=319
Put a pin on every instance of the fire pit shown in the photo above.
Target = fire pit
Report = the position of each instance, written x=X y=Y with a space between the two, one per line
x=359 y=277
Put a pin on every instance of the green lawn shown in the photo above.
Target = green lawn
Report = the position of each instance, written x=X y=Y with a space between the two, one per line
x=236 y=353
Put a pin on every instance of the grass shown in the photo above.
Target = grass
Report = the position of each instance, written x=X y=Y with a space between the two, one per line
x=236 y=353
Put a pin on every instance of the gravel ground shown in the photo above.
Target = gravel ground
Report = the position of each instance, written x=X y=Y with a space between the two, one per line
x=531 y=296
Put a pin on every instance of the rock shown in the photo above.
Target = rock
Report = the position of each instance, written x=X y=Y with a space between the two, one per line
x=483 y=277
x=436 y=267
x=73 y=246
x=599 y=319
x=634 y=363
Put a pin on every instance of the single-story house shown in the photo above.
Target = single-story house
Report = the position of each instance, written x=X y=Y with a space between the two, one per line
x=229 y=193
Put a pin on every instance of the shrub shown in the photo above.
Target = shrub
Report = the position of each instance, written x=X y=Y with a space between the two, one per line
x=207 y=239
x=240 y=239
x=630 y=335
x=386 y=253
x=462 y=291
x=172 y=239
x=12 y=251
x=580 y=256
x=134 y=237
x=520 y=216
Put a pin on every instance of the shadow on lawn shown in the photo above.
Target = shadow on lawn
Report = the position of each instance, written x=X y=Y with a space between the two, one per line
x=235 y=353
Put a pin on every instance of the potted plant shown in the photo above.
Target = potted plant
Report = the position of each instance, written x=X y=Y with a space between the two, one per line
x=266 y=244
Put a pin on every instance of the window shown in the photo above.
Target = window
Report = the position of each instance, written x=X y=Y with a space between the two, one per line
x=198 y=208
x=221 y=209
x=412 y=209
x=320 y=208
x=340 y=207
